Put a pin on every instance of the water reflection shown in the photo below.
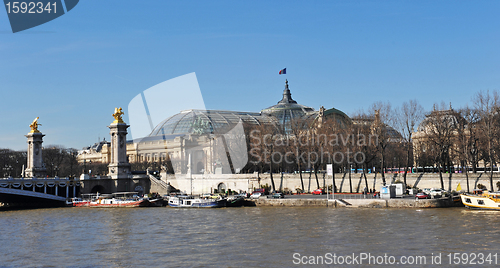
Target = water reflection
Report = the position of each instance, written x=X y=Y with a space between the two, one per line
x=233 y=237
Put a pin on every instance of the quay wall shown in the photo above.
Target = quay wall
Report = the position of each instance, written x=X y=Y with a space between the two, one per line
x=399 y=203
x=357 y=203
x=207 y=183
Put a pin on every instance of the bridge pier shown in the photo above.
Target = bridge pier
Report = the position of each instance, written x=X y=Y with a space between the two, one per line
x=107 y=185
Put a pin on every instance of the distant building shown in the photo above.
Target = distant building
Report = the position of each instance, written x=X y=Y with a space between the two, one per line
x=99 y=152
x=436 y=135
x=374 y=122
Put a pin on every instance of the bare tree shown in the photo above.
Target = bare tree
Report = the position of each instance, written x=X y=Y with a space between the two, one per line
x=298 y=141
x=364 y=148
x=53 y=157
x=383 y=119
x=70 y=164
x=440 y=129
x=261 y=148
x=408 y=117
x=467 y=140
x=12 y=162
x=328 y=132
x=487 y=106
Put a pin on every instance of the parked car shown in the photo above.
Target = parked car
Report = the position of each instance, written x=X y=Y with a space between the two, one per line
x=318 y=191
x=436 y=193
x=278 y=195
x=259 y=191
x=244 y=195
x=422 y=195
x=427 y=191
x=256 y=195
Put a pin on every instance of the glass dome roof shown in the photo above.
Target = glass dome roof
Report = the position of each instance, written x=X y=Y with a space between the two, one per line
x=280 y=115
x=287 y=109
x=207 y=121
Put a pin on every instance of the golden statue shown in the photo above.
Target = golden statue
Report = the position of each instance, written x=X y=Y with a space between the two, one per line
x=34 y=126
x=118 y=116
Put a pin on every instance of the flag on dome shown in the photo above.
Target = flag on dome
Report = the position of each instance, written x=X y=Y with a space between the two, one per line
x=283 y=71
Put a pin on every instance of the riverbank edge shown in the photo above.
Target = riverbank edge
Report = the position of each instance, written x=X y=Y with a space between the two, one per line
x=359 y=203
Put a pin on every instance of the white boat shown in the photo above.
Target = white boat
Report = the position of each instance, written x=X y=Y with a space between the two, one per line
x=480 y=199
x=77 y=202
x=122 y=199
x=192 y=202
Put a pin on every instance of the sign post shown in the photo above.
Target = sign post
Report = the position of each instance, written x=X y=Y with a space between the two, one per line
x=329 y=172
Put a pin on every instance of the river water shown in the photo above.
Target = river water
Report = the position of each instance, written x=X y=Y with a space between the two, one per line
x=247 y=236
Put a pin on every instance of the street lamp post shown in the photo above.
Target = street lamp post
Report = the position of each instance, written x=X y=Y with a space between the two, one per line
x=350 y=181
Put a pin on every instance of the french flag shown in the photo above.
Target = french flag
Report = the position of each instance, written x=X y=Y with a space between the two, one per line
x=283 y=71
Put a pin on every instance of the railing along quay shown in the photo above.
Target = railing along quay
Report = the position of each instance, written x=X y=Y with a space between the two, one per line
x=353 y=196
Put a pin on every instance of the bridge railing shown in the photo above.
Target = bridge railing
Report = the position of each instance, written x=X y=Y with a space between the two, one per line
x=60 y=187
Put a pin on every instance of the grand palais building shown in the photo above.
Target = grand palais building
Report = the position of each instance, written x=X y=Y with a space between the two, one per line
x=209 y=141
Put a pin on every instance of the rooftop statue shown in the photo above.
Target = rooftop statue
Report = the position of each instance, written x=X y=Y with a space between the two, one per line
x=34 y=126
x=118 y=115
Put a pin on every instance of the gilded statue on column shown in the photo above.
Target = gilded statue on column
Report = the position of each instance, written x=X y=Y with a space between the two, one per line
x=34 y=126
x=118 y=116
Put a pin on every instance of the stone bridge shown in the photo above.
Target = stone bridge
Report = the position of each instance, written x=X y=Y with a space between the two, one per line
x=38 y=192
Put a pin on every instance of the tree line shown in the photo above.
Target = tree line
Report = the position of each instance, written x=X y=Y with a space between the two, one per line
x=447 y=140
x=59 y=161
x=462 y=140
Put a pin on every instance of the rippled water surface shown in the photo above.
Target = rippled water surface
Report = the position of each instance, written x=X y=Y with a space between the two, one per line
x=236 y=237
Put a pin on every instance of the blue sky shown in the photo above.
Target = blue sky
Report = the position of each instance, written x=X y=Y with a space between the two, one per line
x=73 y=71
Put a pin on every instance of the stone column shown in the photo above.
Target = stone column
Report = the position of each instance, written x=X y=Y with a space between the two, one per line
x=35 y=167
x=119 y=167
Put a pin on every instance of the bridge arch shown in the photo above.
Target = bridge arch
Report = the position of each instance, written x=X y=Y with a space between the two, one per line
x=98 y=189
x=139 y=189
x=199 y=168
x=221 y=188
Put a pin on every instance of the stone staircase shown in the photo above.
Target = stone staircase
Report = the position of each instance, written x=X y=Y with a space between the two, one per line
x=343 y=202
x=159 y=184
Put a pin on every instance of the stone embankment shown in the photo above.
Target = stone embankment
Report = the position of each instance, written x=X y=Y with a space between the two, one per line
x=344 y=182
x=360 y=203
x=398 y=203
